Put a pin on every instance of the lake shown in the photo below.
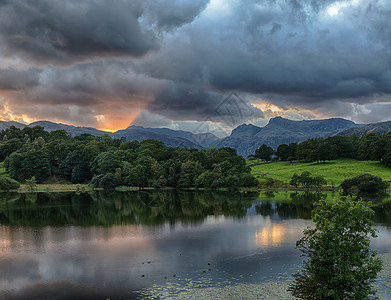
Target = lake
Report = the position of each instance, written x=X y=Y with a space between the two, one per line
x=156 y=245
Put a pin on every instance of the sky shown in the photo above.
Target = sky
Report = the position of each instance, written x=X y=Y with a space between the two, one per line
x=195 y=65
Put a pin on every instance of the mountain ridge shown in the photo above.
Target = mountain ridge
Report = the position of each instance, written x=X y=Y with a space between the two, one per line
x=245 y=138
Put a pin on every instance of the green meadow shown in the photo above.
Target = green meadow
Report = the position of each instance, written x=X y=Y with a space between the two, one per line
x=334 y=171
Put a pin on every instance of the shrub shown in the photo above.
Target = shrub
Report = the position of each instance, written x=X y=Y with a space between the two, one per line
x=306 y=180
x=248 y=180
x=107 y=181
x=7 y=183
x=364 y=183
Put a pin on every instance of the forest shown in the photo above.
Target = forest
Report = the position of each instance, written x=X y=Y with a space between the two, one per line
x=104 y=162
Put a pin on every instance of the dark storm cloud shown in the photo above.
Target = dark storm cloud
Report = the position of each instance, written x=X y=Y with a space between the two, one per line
x=47 y=30
x=190 y=102
x=182 y=58
x=286 y=51
x=90 y=84
x=62 y=31
x=15 y=80
x=168 y=15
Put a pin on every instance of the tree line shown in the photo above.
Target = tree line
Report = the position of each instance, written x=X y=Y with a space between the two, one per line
x=106 y=162
x=376 y=147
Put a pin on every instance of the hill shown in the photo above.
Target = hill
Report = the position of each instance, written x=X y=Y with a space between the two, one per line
x=205 y=140
x=70 y=129
x=7 y=124
x=334 y=171
x=141 y=133
x=364 y=129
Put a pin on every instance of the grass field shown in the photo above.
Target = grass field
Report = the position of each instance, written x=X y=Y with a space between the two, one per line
x=334 y=171
x=55 y=188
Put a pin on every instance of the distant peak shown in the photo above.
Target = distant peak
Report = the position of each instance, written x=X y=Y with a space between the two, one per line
x=246 y=126
x=278 y=119
x=135 y=127
x=247 y=129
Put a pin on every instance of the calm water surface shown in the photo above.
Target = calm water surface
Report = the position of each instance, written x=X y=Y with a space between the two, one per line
x=157 y=245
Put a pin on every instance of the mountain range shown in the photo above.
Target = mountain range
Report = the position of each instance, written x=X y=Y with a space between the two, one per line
x=245 y=138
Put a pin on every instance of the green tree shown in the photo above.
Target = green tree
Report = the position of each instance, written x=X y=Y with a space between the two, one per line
x=7 y=183
x=190 y=171
x=365 y=183
x=283 y=152
x=340 y=263
x=264 y=152
x=31 y=183
x=304 y=151
x=324 y=150
x=232 y=183
x=108 y=181
x=367 y=146
x=248 y=180
x=37 y=163
x=9 y=147
x=15 y=165
x=294 y=180
x=305 y=179
x=104 y=163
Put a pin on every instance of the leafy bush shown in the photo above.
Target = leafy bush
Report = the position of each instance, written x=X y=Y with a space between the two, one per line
x=364 y=183
x=306 y=180
x=248 y=180
x=107 y=181
x=7 y=183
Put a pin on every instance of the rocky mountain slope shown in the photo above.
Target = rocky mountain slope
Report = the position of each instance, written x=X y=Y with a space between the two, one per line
x=245 y=138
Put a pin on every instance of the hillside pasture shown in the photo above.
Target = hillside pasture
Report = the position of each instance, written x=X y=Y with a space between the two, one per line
x=334 y=171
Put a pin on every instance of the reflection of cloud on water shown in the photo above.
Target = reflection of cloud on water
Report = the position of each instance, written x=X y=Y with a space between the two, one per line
x=270 y=236
x=37 y=260
x=269 y=233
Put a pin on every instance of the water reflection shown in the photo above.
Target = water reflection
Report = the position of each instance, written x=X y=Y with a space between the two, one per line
x=267 y=236
x=110 y=245
x=105 y=209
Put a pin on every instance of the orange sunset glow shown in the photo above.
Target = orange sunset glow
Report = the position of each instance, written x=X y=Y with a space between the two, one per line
x=112 y=122
x=270 y=236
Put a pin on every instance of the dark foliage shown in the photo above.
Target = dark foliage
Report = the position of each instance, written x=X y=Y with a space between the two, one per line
x=364 y=183
x=108 y=162
x=7 y=183
x=306 y=180
x=340 y=263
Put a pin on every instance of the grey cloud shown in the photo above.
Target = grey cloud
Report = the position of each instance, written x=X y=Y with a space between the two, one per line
x=373 y=113
x=79 y=93
x=265 y=48
x=15 y=80
x=147 y=119
x=182 y=101
x=172 y=14
x=92 y=83
x=65 y=31
x=190 y=102
x=55 y=31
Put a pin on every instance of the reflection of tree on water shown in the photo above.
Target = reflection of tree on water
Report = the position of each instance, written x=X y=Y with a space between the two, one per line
x=383 y=213
x=300 y=206
x=307 y=198
x=151 y=208
x=105 y=209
